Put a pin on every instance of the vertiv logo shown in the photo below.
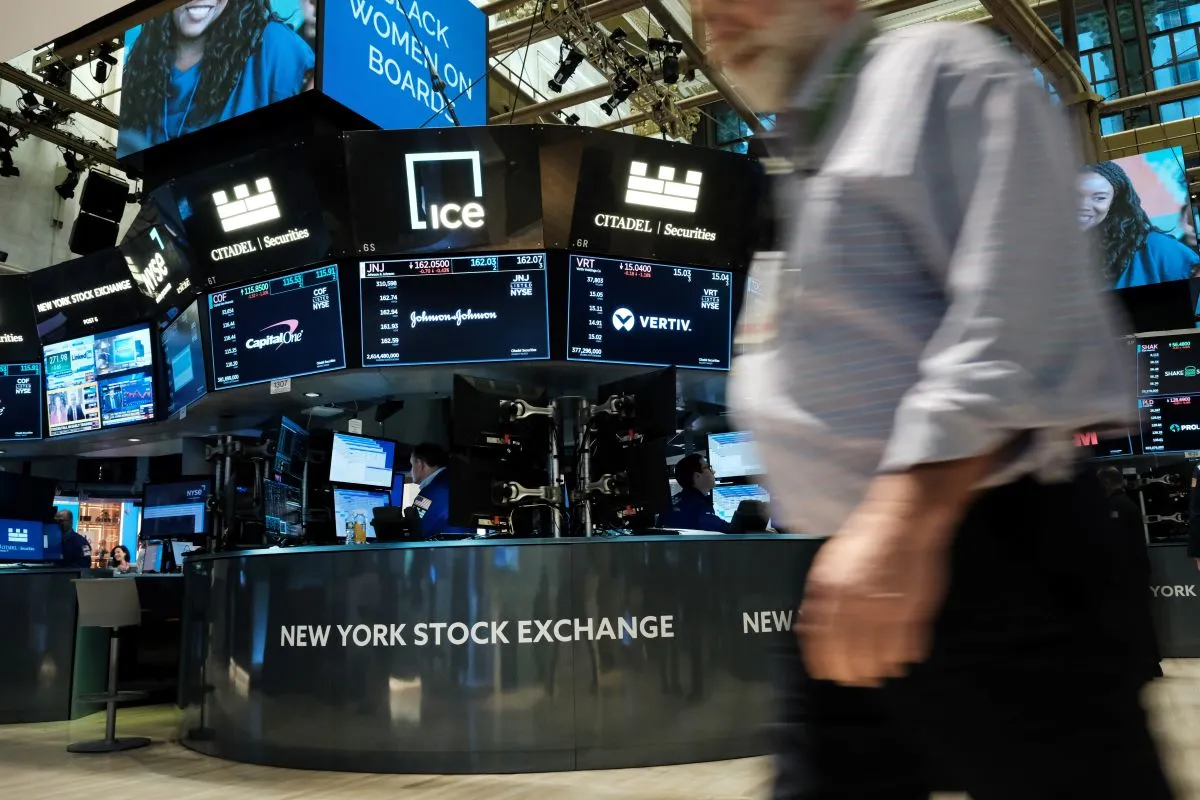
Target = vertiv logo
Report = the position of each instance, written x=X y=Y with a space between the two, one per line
x=278 y=339
x=622 y=319
x=446 y=215
x=246 y=209
x=664 y=191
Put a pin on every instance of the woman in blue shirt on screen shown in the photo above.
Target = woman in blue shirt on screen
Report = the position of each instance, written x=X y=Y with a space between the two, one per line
x=1136 y=253
x=205 y=62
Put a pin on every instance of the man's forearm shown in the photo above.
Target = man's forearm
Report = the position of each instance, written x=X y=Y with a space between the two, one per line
x=933 y=498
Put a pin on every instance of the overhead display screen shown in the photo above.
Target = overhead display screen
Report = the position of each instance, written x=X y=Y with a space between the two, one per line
x=1170 y=424
x=18 y=326
x=279 y=328
x=455 y=310
x=646 y=199
x=183 y=360
x=253 y=216
x=374 y=61
x=240 y=56
x=85 y=295
x=99 y=381
x=628 y=312
x=1168 y=365
x=421 y=191
x=362 y=460
x=158 y=268
x=20 y=401
x=1104 y=444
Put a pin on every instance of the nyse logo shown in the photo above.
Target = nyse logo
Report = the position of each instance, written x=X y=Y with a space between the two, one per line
x=152 y=278
x=468 y=212
x=321 y=298
x=521 y=285
x=623 y=319
x=245 y=209
x=195 y=493
x=663 y=192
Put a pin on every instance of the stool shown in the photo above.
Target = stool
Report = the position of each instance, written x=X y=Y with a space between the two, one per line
x=109 y=603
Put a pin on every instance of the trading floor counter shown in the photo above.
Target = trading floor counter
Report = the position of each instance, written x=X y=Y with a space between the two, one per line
x=501 y=656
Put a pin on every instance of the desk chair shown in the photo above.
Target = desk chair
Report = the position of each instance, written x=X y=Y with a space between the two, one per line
x=113 y=604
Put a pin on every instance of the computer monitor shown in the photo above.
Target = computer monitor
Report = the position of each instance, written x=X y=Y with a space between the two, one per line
x=734 y=455
x=291 y=449
x=151 y=558
x=649 y=403
x=22 y=540
x=282 y=508
x=362 y=460
x=351 y=506
x=179 y=508
x=726 y=499
x=180 y=549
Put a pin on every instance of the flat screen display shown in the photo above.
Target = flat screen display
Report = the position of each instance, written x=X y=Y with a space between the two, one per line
x=734 y=455
x=20 y=402
x=291 y=449
x=422 y=191
x=86 y=295
x=648 y=199
x=630 y=312
x=158 y=268
x=22 y=540
x=277 y=328
x=175 y=509
x=1168 y=365
x=253 y=216
x=1138 y=211
x=18 y=326
x=183 y=360
x=1104 y=444
x=372 y=61
x=99 y=381
x=726 y=499
x=1170 y=424
x=455 y=310
x=246 y=60
x=362 y=461
x=352 y=507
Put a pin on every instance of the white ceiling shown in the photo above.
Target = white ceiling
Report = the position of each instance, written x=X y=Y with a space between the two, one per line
x=31 y=24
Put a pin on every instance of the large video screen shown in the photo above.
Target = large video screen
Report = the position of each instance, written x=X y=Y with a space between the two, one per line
x=455 y=310
x=629 y=312
x=18 y=326
x=372 y=61
x=20 y=402
x=98 y=381
x=257 y=215
x=208 y=61
x=183 y=360
x=279 y=328
x=158 y=267
x=427 y=191
x=22 y=540
x=1168 y=364
x=86 y=295
x=1170 y=424
x=1138 y=211
x=645 y=199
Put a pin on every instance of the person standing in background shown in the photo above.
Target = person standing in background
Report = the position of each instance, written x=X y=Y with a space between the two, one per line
x=76 y=549
x=934 y=337
x=693 y=507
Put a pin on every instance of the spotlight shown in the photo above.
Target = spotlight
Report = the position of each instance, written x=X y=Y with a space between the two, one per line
x=74 y=162
x=624 y=87
x=7 y=142
x=572 y=119
x=618 y=35
x=670 y=69
x=570 y=60
x=7 y=169
x=66 y=189
x=30 y=99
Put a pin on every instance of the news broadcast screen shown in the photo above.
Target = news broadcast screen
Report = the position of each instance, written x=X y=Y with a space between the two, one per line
x=20 y=402
x=1138 y=212
x=455 y=310
x=208 y=61
x=279 y=328
x=100 y=380
x=630 y=312
x=183 y=359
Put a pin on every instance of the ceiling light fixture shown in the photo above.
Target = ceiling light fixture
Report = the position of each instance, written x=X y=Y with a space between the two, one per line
x=312 y=394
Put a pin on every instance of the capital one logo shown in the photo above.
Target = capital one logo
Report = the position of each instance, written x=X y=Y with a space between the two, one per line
x=663 y=191
x=466 y=212
x=622 y=319
x=243 y=208
x=288 y=336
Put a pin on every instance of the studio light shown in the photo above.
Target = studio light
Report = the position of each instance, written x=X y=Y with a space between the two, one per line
x=103 y=62
x=572 y=119
x=618 y=35
x=625 y=86
x=7 y=168
x=670 y=69
x=75 y=166
x=670 y=59
x=568 y=62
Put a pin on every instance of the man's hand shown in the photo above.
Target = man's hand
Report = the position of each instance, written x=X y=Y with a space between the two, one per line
x=876 y=587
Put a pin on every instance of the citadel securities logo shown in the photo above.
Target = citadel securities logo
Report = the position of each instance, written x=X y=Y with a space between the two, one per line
x=245 y=209
x=290 y=336
x=623 y=319
x=448 y=215
x=663 y=192
x=458 y=317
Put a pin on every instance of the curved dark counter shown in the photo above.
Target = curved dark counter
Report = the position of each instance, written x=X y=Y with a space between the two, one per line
x=39 y=651
x=500 y=656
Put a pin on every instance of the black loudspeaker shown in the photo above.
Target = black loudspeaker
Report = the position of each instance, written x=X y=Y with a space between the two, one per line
x=91 y=234
x=104 y=196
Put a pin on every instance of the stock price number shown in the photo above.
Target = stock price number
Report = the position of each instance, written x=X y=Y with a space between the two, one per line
x=326 y=272
x=596 y=337
x=587 y=352
x=490 y=262
x=595 y=280
x=293 y=280
x=529 y=261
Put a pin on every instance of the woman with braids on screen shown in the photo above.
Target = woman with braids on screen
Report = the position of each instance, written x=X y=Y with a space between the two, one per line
x=1136 y=253
x=205 y=62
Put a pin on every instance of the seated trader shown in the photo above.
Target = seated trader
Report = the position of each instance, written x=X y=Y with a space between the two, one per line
x=432 y=506
x=693 y=506
x=76 y=549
